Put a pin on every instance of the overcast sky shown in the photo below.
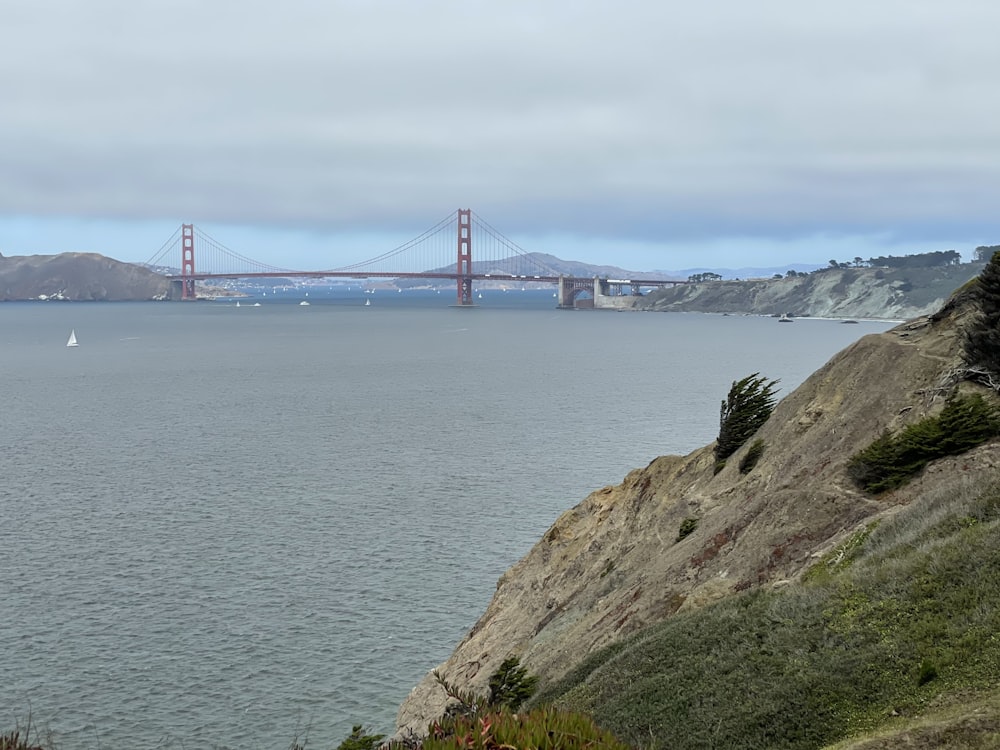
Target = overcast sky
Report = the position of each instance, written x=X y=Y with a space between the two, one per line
x=647 y=134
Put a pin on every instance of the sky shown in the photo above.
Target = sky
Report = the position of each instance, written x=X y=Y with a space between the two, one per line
x=654 y=134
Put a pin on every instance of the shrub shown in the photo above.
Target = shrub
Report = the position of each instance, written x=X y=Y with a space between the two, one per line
x=541 y=728
x=479 y=723
x=687 y=526
x=510 y=685
x=753 y=454
x=928 y=672
x=890 y=461
x=748 y=405
x=359 y=739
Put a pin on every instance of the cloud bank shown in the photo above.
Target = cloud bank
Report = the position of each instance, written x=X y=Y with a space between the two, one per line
x=644 y=122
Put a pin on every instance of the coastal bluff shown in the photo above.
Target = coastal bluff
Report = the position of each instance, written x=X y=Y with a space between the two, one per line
x=878 y=293
x=617 y=562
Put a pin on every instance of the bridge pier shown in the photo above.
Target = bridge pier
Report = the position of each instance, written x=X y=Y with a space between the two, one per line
x=608 y=294
x=570 y=288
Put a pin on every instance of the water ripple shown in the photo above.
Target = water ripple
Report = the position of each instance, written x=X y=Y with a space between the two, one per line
x=233 y=531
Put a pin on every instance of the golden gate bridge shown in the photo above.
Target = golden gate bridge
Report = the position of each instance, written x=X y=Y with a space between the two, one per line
x=445 y=251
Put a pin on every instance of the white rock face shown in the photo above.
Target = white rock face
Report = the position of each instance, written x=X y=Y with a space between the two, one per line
x=899 y=294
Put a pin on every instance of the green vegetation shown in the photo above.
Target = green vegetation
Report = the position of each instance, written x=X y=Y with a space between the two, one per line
x=891 y=460
x=475 y=722
x=748 y=405
x=752 y=456
x=981 y=341
x=707 y=276
x=905 y=615
x=932 y=259
x=511 y=685
x=687 y=526
x=539 y=729
x=359 y=739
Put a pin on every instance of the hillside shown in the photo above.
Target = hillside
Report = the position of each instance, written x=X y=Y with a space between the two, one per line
x=894 y=294
x=77 y=277
x=579 y=606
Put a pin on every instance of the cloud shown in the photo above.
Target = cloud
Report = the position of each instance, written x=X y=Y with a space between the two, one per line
x=642 y=121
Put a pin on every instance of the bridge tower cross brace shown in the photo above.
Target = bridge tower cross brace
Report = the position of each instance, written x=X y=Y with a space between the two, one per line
x=187 y=261
x=464 y=267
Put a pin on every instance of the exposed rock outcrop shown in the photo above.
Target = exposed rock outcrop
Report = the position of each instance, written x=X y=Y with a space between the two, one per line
x=893 y=294
x=614 y=564
x=78 y=277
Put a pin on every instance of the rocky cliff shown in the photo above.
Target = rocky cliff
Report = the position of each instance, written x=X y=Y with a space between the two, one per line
x=77 y=277
x=615 y=564
x=894 y=294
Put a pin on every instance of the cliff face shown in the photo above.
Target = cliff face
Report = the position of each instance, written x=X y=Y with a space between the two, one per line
x=79 y=277
x=613 y=564
x=895 y=294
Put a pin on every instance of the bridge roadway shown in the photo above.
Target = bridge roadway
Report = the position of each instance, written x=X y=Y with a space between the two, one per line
x=603 y=291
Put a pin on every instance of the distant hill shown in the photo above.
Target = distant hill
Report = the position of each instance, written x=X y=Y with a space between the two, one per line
x=574 y=268
x=77 y=277
x=549 y=265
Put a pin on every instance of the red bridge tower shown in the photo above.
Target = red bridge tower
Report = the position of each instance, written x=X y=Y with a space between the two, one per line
x=464 y=269
x=187 y=261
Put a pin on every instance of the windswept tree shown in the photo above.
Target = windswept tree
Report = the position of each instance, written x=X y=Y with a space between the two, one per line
x=981 y=342
x=748 y=405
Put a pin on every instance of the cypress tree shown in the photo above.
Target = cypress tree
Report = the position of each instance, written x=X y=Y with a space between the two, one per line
x=981 y=342
x=748 y=405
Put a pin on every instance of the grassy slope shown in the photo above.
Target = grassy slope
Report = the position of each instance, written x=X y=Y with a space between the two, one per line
x=898 y=620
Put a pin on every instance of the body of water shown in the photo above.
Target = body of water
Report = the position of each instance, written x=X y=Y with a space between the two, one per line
x=228 y=526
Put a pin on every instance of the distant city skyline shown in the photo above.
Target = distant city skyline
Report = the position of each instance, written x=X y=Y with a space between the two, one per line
x=646 y=135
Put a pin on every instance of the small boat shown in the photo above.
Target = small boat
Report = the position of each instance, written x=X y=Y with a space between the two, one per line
x=303 y=303
x=368 y=303
x=785 y=319
x=72 y=339
x=237 y=303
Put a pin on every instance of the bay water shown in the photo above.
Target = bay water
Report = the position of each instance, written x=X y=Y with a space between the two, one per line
x=236 y=526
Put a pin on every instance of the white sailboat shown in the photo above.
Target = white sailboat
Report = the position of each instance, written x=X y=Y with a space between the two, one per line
x=72 y=339
x=368 y=303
